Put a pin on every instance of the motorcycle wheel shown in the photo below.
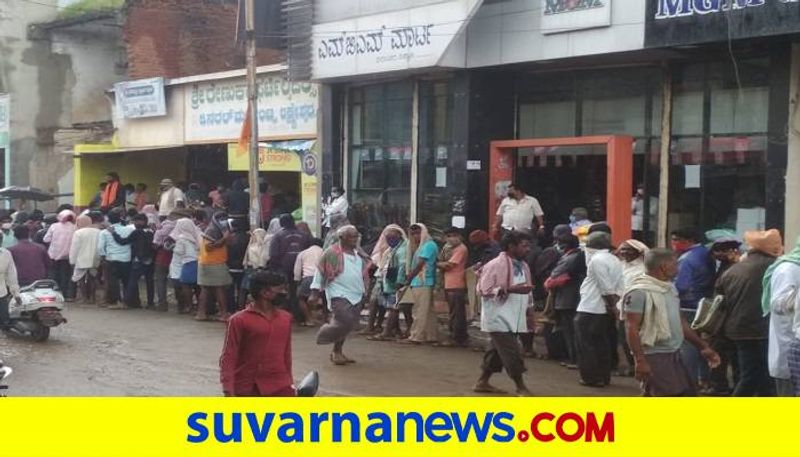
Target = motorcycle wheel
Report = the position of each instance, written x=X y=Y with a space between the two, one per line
x=41 y=333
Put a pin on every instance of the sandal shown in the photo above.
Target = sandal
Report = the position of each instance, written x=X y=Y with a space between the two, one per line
x=410 y=342
x=487 y=389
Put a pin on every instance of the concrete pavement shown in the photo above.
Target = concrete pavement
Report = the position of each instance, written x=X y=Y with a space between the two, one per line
x=147 y=353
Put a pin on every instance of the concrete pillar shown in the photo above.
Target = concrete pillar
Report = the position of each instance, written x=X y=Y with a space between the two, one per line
x=793 y=163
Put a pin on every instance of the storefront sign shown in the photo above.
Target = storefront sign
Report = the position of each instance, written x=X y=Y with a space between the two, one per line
x=215 y=111
x=292 y=156
x=398 y=40
x=142 y=98
x=5 y=119
x=570 y=15
x=682 y=22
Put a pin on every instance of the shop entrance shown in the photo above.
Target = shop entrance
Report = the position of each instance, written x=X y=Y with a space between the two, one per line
x=594 y=172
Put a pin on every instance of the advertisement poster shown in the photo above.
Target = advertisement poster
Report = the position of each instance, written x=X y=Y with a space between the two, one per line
x=287 y=156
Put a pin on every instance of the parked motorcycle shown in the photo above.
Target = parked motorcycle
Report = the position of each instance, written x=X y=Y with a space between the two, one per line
x=38 y=309
x=4 y=373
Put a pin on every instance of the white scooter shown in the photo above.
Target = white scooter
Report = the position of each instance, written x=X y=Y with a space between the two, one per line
x=38 y=309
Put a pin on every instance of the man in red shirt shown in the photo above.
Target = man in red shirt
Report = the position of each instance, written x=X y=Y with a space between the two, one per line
x=256 y=359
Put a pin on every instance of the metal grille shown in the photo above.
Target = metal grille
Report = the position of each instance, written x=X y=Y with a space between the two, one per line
x=299 y=20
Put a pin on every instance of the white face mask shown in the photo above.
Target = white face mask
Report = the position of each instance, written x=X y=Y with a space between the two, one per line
x=6 y=226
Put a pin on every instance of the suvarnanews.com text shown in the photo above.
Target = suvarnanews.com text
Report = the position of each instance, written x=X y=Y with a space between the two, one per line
x=401 y=427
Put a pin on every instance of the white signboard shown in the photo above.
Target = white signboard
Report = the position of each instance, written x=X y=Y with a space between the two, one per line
x=142 y=98
x=394 y=41
x=569 y=15
x=5 y=119
x=215 y=111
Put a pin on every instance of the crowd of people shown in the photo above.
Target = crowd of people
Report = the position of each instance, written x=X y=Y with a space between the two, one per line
x=602 y=309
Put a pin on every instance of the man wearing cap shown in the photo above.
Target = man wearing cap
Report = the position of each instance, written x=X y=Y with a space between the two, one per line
x=745 y=323
x=170 y=196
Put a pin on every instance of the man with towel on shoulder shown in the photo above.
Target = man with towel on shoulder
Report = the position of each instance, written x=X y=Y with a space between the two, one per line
x=655 y=329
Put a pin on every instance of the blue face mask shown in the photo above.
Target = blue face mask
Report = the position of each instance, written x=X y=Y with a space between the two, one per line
x=394 y=242
x=573 y=219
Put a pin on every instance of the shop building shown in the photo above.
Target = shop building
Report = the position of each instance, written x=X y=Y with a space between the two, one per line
x=191 y=136
x=417 y=107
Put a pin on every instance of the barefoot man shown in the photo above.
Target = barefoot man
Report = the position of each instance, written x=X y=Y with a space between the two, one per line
x=505 y=286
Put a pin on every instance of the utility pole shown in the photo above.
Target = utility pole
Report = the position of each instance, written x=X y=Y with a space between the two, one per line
x=252 y=97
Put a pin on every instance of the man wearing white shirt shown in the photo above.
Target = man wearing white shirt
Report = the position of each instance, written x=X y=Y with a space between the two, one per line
x=518 y=210
x=170 y=196
x=338 y=206
x=595 y=322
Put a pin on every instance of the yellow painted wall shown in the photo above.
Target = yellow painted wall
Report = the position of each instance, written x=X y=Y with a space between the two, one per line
x=149 y=167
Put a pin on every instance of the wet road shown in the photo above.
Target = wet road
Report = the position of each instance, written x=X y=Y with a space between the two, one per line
x=145 y=353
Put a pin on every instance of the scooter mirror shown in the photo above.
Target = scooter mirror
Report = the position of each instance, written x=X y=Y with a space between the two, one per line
x=309 y=386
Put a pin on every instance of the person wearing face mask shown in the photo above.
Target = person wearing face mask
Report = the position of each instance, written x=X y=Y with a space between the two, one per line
x=655 y=330
x=256 y=358
x=390 y=274
x=337 y=206
x=579 y=218
x=694 y=281
x=564 y=283
x=343 y=273
x=455 y=286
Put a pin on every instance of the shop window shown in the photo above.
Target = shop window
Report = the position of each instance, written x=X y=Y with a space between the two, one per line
x=739 y=110
x=440 y=166
x=547 y=119
x=380 y=150
x=719 y=155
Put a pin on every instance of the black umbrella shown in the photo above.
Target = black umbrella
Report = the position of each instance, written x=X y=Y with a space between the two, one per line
x=25 y=193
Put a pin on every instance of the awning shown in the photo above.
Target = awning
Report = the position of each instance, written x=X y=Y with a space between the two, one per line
x=110 y=148
x=397 y=40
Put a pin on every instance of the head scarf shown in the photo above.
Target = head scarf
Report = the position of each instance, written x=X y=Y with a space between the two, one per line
x=66 y=214
x=83 y=221
x=635 y=268
x=382 y=245
x=478 y=237
x=257 y=253
x=186 y=230
x=792 y=256
x=413 y=247
x=637 y=245
x=769 y=242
